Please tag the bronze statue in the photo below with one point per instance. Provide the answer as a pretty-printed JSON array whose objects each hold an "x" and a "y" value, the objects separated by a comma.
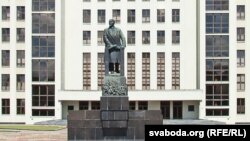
[{"x": 115, "y": 44}]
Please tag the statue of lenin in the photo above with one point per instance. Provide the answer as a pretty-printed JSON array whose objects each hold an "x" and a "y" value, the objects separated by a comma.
[{"x": 115, "y": 44}]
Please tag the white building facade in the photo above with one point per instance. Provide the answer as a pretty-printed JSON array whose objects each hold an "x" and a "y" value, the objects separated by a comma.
[{"x": 186, "y": 58}]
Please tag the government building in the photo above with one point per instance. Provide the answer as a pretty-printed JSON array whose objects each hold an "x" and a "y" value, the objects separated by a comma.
[{"x": 186, "y": 58}]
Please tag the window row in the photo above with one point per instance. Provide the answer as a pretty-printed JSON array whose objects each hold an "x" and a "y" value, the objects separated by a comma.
[
  {"x": 217, "y": 112},
  {"x": 217, "y": 45},
  {"x": 131, "y": 37},
  {"x": 43, "y": 46},
  {"x": 20, "y": 13},
  {"x": 43, "y": 95},
  {"x": 131, "y": 74},
  {"x": 20, "y": 35},
  {"x": 20, "y": 106},
  {"x": 20, "y": 82},
  {"x": 217, "y": 5},
  {"x": 43, "y": 23},
  {"x": 131, "y": 15},
  {"x": 43, "y": 5},
  {"x": 217, "y": 94},
  {"x": 20, "y": 58},
  {"x": 217, "y": 70},
  {"x": 217, "y": 23},
  {"x": 43, "y": 70}
]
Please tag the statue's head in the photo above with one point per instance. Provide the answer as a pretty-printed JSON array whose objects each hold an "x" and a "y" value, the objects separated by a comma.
[{"x": 111, "y": 22}]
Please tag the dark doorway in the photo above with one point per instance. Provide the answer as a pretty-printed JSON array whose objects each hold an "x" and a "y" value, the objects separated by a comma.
[
  {"x": 165, "y": 109},
  {"x": 177, "y": 109}
]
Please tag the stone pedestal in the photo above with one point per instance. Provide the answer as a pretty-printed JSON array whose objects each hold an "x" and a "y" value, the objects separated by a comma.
[{"x": 114, "y": 120}]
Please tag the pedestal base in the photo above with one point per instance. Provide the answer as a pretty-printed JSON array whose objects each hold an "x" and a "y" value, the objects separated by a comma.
[{"x": 87, "y": 125}]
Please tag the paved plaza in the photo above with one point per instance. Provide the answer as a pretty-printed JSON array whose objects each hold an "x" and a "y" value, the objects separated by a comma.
[{"x": 25, "y": 135}]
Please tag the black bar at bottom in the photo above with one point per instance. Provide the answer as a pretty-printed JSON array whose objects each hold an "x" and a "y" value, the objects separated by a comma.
[{"x": 197, "y": 132}]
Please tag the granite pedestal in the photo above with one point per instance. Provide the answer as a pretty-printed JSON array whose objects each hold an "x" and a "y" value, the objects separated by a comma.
[{"x": 114, "y": 120}]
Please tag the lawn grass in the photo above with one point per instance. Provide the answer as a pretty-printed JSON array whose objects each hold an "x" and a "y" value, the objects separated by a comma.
[{"x": 31, "y": 127}]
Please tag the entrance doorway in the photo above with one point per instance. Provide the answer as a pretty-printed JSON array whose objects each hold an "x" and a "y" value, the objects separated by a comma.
[
  {"x": 177, "y": 109},
  {"x": 165, "y": 109}
]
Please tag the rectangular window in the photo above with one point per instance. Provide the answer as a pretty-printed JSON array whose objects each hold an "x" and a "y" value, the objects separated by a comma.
[
  {"x": 5, "y": 58},
  {"x": 86, "y": 71},
  {"x": 241, "y": 12},
  {"x": 160, "y": 15},
  {"x": 145, "y": 71},
  {"x": 43, "y": 70},
  {"x": 145, "y": 37},
  {"x": 5, "y": 82},
  {"x": 100, "y": 41},
  {"x": 43, "y": 46},
  {"x": 142, "y": 105},
  {"x": 217, "y": 23},
  {"x": 43, "y": 23},
  {"x": 86, "y": 16},
  {"x": 240, "y": 58},
  {"x": 217, "y": 45},
  {"x": 20, "y": 35},
  {"x": 43, "y": 112},
  {"x": 131, "y": 71},
  {"x": 131, "y": 105},
  {"x": 217, "y": 94},
  {"x": 217, "y": 70},
  {"x": 175, "y": 37},
  {"x": 240, "y": 106},
  {"x": 160, "y": 70},
  {"x": 95, "y": 105},
  {"x": 20, "y": 13},
  {"x": 5, "y": 106},
  {"x": 160, "y": 37},
  {"x": 241, "y": 34},
  {"x": 101, "y": 70},
  {"x": 145, "y": 15},
  {"x": 86, "y": 37},
  {"x": 131, "y": 37},
  {"x": 101, "y": 16},
  {"x": 217, "y": 4},
  {"x": 43, "y": 5},
  {"x": 5, "y": 13},
  {"x": 191, "y": 108},
  {"x": 117, "y": 15},
  {"x": 241, "y": 82},
  {"x": 20, "y": 106},
  {"x": 43, "y": 95},
  {"x": 83, "y": 105},
  {"x": 20, "y": 59},
  {"x": 20, "y": 82},
  {"x": 5, "y": 35},
  {"x": 217, "y": 112},
  {"x": 175, "y": 15},
  {"x": 175, "y": 70},
  {"x": 131, "y": 16}
]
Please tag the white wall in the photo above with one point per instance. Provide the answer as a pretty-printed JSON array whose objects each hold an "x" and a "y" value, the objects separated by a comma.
[
  {"x": 65, "y": 105},
  {"x": 74, "y": 46},
  {"x": 191, "y": 114},
  {"x": 12, "y": 46}
]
